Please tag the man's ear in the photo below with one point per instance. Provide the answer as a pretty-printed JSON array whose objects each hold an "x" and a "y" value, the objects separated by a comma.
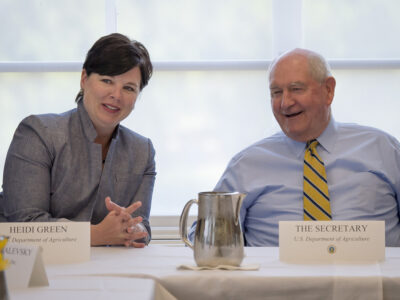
[{"x": 330, "y": 84}]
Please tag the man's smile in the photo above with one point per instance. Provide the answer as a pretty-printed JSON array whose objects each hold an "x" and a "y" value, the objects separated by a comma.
[{"x": 292, "y": 115}]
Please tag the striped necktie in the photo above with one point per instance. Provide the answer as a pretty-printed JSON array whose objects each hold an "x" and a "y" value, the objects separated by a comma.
[{"x": 315, "y": 188}]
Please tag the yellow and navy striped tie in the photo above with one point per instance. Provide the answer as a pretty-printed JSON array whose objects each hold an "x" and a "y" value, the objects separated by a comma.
[{"x": 315, "y": 187}]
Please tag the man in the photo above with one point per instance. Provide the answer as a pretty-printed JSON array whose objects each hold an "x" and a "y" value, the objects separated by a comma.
[{"x": 361, "y": 165}]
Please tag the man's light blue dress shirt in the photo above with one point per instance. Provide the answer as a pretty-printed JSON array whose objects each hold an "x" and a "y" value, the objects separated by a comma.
[{"x": 363, "y": 173}]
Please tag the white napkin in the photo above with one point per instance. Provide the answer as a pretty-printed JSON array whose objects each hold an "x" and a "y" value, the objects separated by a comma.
[{"x": 220, "y": 267}]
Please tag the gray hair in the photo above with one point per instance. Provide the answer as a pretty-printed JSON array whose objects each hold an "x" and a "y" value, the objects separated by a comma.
[{"x": 318, "y": 66}]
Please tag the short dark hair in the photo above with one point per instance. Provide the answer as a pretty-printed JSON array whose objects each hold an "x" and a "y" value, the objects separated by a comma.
[{"x": 115, "y": 54}]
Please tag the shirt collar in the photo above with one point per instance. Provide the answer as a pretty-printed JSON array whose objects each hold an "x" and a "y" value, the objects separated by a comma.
[
  {"x": 87, "y": 125},
  {"x": 327, "y": 140},
  {"x": 296, "y": 147}
]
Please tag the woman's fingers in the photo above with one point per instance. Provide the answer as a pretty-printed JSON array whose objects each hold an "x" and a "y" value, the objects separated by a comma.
[
  {"x": 134, "y": 236},
  {"x": 134, "y": 206},
  {"x": 134, "y": 244},
  {"x": 132, "y": 223},
  {"x": 129, "y": 231},
  {"x": 138, "y": 245},
  {"x": 112, "y": 206}
]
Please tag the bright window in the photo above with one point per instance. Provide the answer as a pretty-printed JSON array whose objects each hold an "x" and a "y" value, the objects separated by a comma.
[
  {"x": 352, "y": 29},
  {"x": 199, "y": 29},
  {"x": 208, "y": 98}
]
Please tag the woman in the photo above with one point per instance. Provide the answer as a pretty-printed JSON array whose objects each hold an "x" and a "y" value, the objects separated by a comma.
[{"x": 69, "y": 166}]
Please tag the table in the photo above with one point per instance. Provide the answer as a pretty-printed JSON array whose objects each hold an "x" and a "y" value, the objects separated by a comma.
[{"x": 151, "y": 273}]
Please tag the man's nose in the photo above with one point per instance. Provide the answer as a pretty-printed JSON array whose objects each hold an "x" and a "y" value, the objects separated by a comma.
[{"x": 287, "y": 100}]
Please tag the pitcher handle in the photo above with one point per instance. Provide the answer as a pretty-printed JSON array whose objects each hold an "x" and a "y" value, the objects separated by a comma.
[
  {"x": 238, "y": 205},
  {"x": 183, "y": 222}
]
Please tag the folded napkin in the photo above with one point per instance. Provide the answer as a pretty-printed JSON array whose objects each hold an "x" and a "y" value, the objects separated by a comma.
[{"x": 220, "y": 267}]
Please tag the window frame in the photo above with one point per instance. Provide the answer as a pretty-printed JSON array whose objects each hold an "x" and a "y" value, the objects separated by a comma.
[{"x": 285, "y": 36}]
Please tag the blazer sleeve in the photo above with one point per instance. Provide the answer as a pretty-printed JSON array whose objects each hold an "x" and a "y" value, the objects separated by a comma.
[
  {"x": 145, "y": 190},
  {"x": 27, "y": 173}
]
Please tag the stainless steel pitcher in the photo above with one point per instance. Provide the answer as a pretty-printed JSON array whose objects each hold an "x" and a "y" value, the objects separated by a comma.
[{"x": 218, "y": 239}]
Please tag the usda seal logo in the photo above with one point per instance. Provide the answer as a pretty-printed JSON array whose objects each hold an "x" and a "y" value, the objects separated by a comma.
[{"x": 331, "y": 249}]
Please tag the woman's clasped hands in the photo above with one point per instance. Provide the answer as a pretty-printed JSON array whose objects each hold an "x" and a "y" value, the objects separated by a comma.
[{"x": 119, "y": 227}]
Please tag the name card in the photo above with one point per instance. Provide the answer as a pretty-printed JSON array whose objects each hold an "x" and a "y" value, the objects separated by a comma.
[
  {"x": 62, "y": 242},
  {"x": 331, "y": 241},
  {"x": 25, "y": 267}
]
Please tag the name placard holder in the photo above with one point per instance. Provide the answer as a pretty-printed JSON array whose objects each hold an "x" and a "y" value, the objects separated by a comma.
[
  {"x": 26, "y": 268},
  {"x": 62, "y": 242},
  {"x": 332, "y": 241}
]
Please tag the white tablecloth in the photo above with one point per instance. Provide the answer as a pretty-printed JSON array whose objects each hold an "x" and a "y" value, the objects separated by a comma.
[{"x": 151, "y": 273}]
